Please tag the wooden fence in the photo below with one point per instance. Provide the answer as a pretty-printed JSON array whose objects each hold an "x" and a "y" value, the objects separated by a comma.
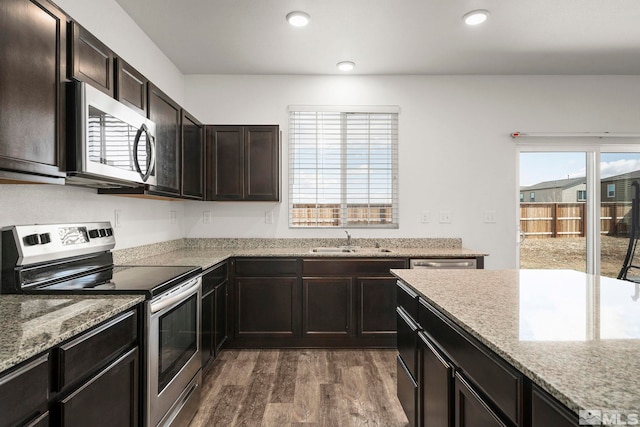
[{"x": 568, "y": 219}]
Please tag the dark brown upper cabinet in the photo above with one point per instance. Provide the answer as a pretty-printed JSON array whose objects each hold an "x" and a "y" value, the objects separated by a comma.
[
  {"x": 192, "y": 157},
  {"x": 243, "y": 163},
  {"x": 130, "y": 87},
  {"x": 167, "y": 115},
  {"x": 90, "y": 60},
  {"x": 33, "y": 37}
]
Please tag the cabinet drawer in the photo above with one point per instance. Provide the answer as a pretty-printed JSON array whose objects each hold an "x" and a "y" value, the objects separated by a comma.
[
  {"x": 260, "y": 267},
  {"x": 350, "y": 267},
  {"x": 24, "y": 392},
  {"x": 407, "y": 299},
  {"x": 408, "y": 341},
  {"x": 501, "y": 383},
  {"x": 91, "y": 351},
  {"x": 407, "y": 391}
]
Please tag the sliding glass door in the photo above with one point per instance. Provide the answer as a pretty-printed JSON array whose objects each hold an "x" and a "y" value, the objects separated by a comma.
[{"x": 576, "y": 207}]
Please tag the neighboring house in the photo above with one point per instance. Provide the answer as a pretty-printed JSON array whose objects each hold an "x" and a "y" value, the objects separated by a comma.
[
  {"x": 557, "y": 191},
  {"x": 618, "y": 188}
]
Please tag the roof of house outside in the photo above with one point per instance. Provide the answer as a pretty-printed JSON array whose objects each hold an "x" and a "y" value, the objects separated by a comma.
[
  {"x": 624, "y": 176},
  {"x": 558, "y": 183}
]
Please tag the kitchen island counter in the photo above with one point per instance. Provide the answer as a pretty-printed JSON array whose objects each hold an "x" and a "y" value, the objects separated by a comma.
[
  {"x": 32, "y": 324},
  {"x": 574, "y": 335}
]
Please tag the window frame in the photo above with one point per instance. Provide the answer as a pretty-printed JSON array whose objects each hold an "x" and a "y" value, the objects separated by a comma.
[
  {"x": 343, "y": 220},
  {"x": 611, "y": 191}
]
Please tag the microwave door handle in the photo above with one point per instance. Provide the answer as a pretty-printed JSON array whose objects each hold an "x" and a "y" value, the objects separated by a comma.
[
  {"x": 136, "y": 144},
  {"x": 151, "y": 156}
]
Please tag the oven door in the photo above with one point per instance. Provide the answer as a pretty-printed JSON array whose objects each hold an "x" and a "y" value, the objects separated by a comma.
[{"x": 173, "y": 356}]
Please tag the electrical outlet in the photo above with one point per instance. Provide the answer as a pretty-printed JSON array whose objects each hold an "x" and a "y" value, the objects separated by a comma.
[
  {"x": 206, "y": 217},
  {"x": 425, "y": 217},
  {"x": 268, "y": 217},
  {"x": 173, "y": 216},
  {"x": 489, "y": 217},
  {"x": 117, "y": 214},
  {"x": 445, "y": 217}
]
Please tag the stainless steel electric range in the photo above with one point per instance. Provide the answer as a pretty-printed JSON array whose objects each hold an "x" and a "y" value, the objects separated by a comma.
[{"x": 77, "y": 258}]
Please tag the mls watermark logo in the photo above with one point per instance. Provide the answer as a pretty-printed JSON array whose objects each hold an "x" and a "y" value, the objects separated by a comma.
[
  {"x": 590, "y": 417},
  {"x": 598, "y": 417}
]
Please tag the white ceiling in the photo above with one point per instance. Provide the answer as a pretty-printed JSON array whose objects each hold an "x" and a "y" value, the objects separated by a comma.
[{"x": 394, "y": 37}]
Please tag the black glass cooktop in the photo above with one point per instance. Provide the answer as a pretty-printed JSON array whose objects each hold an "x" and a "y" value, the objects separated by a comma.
[{"x": 147, "y": 280}]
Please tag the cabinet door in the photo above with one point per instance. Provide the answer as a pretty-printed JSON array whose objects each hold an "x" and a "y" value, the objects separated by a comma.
[
  {"x": 24, "y": 392},
  {"x": 377, "y": 306},
  {"x": 192, "y": 157},
  {"x": 207, "y": 324},
  {"x": 108, "y": 399},
  {"x": 546, "y": 411},
  {"x": 327, "y": 306},
  {"x": 91, "y": 61},
  {"x": 224, "y": 163},
  {"x": 220, "y": 330},
  {"x": 262, "y": 163},
  {"x": 131, "y": 87},
  {"x": 436, "y": 375},
  {"x": 166, "y": 114},
  {"x": 267, "y": 306},
  {"x": 470, "y": 409},
  {"x": 32, "y": 64}
]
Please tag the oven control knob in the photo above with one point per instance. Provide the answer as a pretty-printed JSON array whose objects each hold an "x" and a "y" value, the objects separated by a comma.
[
  {"x": 102, "y": 232},
  {"x": 93, "y": 234},
  {"x": 45, "y": 238},
  {"x": 109, "y": 231},
  {"x": 32, "y": 240}
]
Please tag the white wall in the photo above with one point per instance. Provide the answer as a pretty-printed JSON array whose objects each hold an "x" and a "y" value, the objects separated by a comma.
[
  {"x": 143, "y": 221},
  {"x": 455, "y": 150}
]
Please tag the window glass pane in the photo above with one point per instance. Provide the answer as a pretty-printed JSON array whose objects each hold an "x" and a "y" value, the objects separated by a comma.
[
  {"x": 343, "y": 169},
  {"x": 552, "y": 221},
  {"x": 619, "y": 171}
]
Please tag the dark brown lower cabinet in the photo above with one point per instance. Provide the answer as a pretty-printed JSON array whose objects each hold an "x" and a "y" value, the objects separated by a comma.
[
  {"x": 214, "y": 313},
  {"x": 108, "y": 399},
  {"x": 545, "y": 411},
  {"x": 327, "y": 306},
  {"x": 436, "y": 377},
  {"x": 378, "y": 302},
  {"x": 267, "y": 307},
  {"x": 407, "y": 391},
  {"x": 470, "y": 409},
  {"x": 24, "y": 393}
]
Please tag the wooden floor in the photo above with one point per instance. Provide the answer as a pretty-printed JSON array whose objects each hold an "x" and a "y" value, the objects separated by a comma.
[{"x": 301, "y": 388}]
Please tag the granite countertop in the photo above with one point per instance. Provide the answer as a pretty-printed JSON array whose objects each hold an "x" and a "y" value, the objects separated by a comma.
[
  {"x": 34, "y": 324},
  {"x": 200, "y": 253},
  {"x": 575, "y": 335}
]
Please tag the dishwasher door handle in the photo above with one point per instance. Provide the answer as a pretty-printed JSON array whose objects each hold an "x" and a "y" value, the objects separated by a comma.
[{"x": 438, "y": 264}]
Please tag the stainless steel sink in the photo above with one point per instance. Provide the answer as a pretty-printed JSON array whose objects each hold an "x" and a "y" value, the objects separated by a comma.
[
  {"x": 347, "y": 249},
  {"x": 332, "y": 249}
]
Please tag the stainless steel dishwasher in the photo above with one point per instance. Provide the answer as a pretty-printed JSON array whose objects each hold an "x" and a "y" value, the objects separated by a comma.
[{"x": 440, "y": 263}]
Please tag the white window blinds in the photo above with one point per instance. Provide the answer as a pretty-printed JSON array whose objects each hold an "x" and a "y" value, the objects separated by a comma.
[{"x": 343, "y": 169}]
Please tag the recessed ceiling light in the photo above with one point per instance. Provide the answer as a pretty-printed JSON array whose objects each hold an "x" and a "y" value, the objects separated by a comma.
[
  {"x": 298, "y": 19},
  {"x": 476, "y": 17},
  {"x": 345, "y": 65}
]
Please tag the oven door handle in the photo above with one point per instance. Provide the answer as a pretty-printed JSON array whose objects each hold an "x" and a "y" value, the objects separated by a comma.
[{"x": 176, "y": 296}]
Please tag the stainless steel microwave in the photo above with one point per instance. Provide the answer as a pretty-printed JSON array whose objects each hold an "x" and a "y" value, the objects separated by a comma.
[{"x": 108, "y": 143}]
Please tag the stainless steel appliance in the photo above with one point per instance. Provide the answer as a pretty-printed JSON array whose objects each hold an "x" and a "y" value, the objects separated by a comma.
[
  {"x": 108, "y": 143},
  {"x": 438, "y": 263},
  {"x": 77, "y": 258}
]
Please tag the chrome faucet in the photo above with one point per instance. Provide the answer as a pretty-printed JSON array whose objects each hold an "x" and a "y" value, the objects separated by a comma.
[{"x": 348, "y": 239}]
